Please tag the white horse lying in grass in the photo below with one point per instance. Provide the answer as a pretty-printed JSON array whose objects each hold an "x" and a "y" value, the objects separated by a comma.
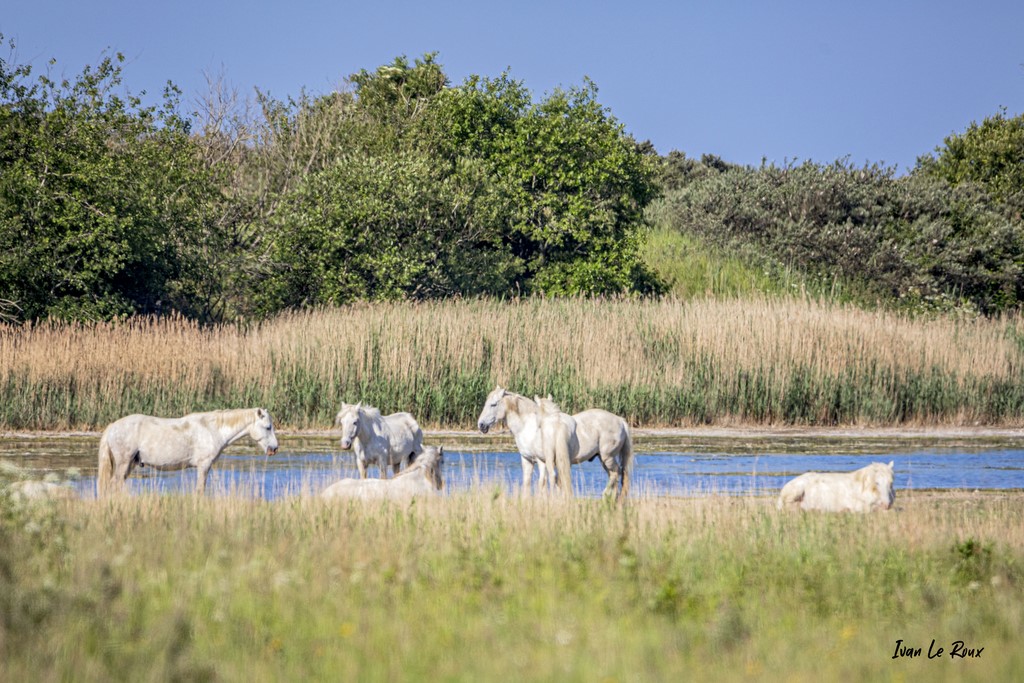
[
  {"x": 601, "y": 434},
  {"x": 393, "y": 440},
  {"x": 423, "y": 477},
  {"x": 195, "y": 440},
  {"x": 862, "y": 490}
]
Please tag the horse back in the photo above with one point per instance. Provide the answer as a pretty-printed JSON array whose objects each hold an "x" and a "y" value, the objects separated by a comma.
[
  {"x": 159, "y": 441},
  {"x": 403, "y": 430},
  {"x": 600, "y": 430}
]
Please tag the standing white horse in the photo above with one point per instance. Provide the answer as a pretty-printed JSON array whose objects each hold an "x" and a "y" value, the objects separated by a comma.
[
  {"x": 863, "y": 490},
  {"x": 393, "y": 440},
  {"x": 194, "y": 440},
  {"x": 423, "y": 477},
  {"x": 559, "y": 444},
  {"x": 600, "y": 434}
]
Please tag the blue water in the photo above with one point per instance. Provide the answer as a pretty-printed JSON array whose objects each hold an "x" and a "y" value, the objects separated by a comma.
[{"x": 684, "y": 467}]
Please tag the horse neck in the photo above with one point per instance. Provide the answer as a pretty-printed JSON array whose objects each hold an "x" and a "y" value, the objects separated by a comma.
[
  {"x": 518, "y": 409},
  {"x": 232, "y": 425},
  {"x": 365, "y": 426}
]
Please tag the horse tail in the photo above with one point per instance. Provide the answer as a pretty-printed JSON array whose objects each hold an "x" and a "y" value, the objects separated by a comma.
[
  {"x": 562, "y": 463},
  {"x": 105, "y": 475},
  {"x": 625, "y": 463},
  {"x": 417, "y": 440}
]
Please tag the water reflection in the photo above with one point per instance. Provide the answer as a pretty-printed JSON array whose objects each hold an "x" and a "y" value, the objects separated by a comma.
[{"x": 664, "y": 466}]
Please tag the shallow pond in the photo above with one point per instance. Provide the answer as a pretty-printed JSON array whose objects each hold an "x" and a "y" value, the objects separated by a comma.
[{"x": 674, "y": 465}]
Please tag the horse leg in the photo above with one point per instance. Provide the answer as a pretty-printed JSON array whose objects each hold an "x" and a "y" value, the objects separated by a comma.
[
  {"x": 361, "y": 466},
  {"x": 201, "y": 472},
  {"x": 611, "y": 468},
  {"x": 548, "y": 476},
  {"x": 124, "y": 468},
  {"x": 528, "y": 476}
]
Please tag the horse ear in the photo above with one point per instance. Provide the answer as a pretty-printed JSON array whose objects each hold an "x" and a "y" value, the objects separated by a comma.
[
  {"x": 891, "y": 463},
  {"x": 550, "y": 397},
  {"x": 440, "y": 450}
]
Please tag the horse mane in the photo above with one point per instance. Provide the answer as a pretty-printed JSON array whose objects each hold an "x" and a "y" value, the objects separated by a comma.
[
  {"x": 371, "y": 412},
  {"x": 233, "y": 418},
  {"x": 516, "y": 398},
  {"x": 548, "y": 407},
  {"x": 422, "y": 462}
]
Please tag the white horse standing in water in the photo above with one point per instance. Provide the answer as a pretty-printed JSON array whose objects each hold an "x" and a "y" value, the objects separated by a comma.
[
  {"x": 393, "y": 440},
  {"x": 863, "y": 490},
  {"x": 422, "y": 478},
  {"x": 559, "y": 444},
  {"x": 195, "y": 440},
  {"x": 601, "y": 434}
]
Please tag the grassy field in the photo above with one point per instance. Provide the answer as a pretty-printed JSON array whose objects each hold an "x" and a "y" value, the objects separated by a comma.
[
  {"x": 658, "y": 363},
  {"x": 482, "y": 587}
]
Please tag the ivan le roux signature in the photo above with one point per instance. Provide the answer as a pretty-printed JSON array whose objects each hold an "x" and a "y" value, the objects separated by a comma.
[{"x": 958, "y": 650}]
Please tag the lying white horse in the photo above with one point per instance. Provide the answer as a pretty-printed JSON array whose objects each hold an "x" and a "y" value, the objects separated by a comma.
[
  {"x": 423, "y": 477},
  {"x": 393, "y": 440},
  {"x": 862, "y": 490},
  {"x": 599, "y": 432},
  {"x": 194, "y": 440},
  {"x": 559, "y": 444}
]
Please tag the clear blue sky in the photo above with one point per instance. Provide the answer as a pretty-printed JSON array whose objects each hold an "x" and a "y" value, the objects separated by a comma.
[{"x": 877, "y": 81}]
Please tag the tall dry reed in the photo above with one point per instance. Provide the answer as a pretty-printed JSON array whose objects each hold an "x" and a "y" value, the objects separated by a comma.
[{"x": 657, "y": 362}]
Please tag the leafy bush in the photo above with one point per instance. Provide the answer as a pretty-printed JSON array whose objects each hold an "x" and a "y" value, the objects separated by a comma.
[{"x": 915, "y": 239}]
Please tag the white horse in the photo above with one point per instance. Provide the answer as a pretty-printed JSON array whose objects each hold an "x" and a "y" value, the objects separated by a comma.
[
  {"x": 862, "y": 490},
  {"x": 421, "y": 478},
  {"x": 600, "y": 434},
  {"x": 558, "y": 442},
  {"x": 195, "y": 440},
  {"x": 393, "y": 440}
]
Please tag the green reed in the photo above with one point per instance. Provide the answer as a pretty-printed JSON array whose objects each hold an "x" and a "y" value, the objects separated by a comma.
[{"x": 659, "y": 363}]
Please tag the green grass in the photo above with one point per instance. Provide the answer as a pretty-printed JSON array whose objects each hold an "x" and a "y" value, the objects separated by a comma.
[
  {"x": 694, "y": 269},
  {"x": 482, "y": 587}
]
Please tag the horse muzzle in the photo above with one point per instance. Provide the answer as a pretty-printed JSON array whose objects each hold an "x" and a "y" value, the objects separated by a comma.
[
  {"x": 482, "y": 427},
  {"x": 345, "y": 445},
  {"x": 271, "y": 451}
]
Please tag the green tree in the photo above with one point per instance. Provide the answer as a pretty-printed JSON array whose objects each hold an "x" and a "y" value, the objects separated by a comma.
[
  {"x": 431, "y": 190},
  {"x": 99, "y": 196},
  {"x": 990, "y": 154}
]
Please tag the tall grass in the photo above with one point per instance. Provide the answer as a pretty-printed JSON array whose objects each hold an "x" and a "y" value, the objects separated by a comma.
[
  {"x": 483, "y": 587},
  {"x": 668, "y": 362}
]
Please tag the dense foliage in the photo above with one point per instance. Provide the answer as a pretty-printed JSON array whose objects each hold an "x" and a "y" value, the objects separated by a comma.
[
  {"x": 403, "y": 187},
  {"x": 926, "y": 239},
  {"x": 101, "y": 198}
]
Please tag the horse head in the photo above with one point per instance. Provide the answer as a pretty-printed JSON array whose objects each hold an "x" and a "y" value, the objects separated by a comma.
[
  {"x": 432, "y": 460},
  {"x": 493, "y": 411},
  {"x": 876, "y": 484},
  {"x": 348, "y": 419},
  {"x": 262, "y": 431}
]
